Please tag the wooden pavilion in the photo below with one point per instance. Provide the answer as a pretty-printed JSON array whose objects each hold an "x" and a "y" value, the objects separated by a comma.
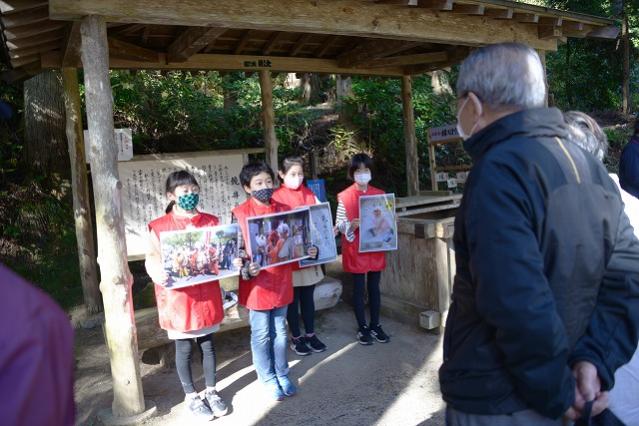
[{"x": 394, "y": 38}]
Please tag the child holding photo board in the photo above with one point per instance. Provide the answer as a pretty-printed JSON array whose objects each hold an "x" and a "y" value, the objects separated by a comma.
[
  {"x": 266, "y": 292},
  {"x": 293, "y": 193},
  {"x": 366, "y": 268},
  {"x": 189, "y": 313}
]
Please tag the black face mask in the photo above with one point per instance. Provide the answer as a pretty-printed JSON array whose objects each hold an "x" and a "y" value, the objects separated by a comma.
[{"x": 263, "y": 195}]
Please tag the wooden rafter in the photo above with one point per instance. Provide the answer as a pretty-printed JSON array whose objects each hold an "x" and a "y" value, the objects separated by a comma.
[
  {"x": 469, "y": 9},
  {"x": 528, "y": 18},
  {"x": 301, "y": 42},
  {"x": 373, "y": 49},
  {"x": 325, "y": 47},
  {"x": 191, "y": 41},
  {"x": 30, "y": 16},
  {"x": 34, "y": 50},
  {"x": 35, "y": 40},
  {"x": 32, "y": 30},
  {"x": 27, "y": 60},
  {"x": 549, "y": 32},
  {"x": 436, "y": 4},
  {"x": 122, "y": 49},
  {"x": 399, "y": 61},
  {"x": 272, "y": 42},
  {"x": 551, "y": 21},
  {"x": 14, "y": 6},
  {"x": 499, "y": 13},
  {"x": 243, "y": 42}
]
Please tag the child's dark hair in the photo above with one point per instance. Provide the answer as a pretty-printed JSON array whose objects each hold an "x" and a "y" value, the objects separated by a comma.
[
  {"x": 250, "y": 170},
  {"x": 357, "y": 161},
  {"x": 291, "y": 161},
  {"x": 175, "y": 179}
]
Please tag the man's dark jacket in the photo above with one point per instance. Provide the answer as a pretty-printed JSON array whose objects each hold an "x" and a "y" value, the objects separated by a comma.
[
  {"x": 629, "y": 167},
  {"x": 547, "y": 272}
]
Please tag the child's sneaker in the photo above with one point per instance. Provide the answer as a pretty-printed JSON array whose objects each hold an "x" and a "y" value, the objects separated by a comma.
[
  {"x": 287, "y": 386},
  {"x": 364, "y": 336},
  {"x": 299, "y": 346},
  {"x": 379, "y": 335},
  {"x": 274, "y": 389},
  {"x": 217, "y": 405},
  {"x": 315, "y": 343},
  {"x": 198, "y": 409}
]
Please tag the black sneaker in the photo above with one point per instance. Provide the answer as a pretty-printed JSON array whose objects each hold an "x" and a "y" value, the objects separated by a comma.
[
  {"x": 379, "y": 334},
  {"x": 299, "y": 346},
  {"x": 364, "y": 336},
  {"x": 217, "y": 405},
  {"x": 198, "y": 409},
  {"x": 315, "y": 343}
]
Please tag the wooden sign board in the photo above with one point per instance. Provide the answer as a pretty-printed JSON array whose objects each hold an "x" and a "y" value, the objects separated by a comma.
[
  {"x": 443, "y": 134},
  {"x": 143, "y": 192}
]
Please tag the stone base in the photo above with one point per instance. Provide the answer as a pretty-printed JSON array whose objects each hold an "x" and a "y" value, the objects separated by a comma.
[{"x": 107, "y": 418}]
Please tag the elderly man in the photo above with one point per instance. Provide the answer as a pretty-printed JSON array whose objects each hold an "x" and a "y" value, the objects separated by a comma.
[{"x": 544, "y": 300}]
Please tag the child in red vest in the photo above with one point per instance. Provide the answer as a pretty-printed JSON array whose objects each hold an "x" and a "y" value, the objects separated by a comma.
[
  {"x": 366, "y": 267},
  {"x": 293, "y": 193},
  {"x": 268, "y": 292},
  {"x": 189, "y": 313}
]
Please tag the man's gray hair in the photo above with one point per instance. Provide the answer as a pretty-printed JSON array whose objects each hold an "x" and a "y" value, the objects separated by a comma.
[
  {"x": 504, "y": 75},
  {"x": 586, "y": 133}
]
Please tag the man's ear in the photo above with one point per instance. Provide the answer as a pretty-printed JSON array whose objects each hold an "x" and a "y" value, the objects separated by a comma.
[{"x": 475, "y": 104}]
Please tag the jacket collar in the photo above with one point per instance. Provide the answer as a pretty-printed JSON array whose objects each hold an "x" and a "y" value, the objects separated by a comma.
[{"x": 535, "y": 122}]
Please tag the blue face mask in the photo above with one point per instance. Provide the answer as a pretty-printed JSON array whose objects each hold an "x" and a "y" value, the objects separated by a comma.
[{"x": 188, "y": 202}]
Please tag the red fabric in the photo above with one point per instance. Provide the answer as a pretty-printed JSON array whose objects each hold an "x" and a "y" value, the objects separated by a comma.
[
  {"x": 352, "y": 260},
  {"x": 273, "y": 287},
  {"x": 189, "y": 308},
  {"x": 295, "y": 198}
]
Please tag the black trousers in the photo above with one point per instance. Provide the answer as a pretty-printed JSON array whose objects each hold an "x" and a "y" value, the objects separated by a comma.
[
  {"x": 360, "y": 282},
  {"x": 183, "y": 355},
  {"x": 302, "y": 300}
]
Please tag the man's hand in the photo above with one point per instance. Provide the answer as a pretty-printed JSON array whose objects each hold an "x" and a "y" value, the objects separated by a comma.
[{"x": 587, "y": 388}]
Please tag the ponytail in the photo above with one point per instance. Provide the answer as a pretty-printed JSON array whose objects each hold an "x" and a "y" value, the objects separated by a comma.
[{"x": 170, "y": 207}]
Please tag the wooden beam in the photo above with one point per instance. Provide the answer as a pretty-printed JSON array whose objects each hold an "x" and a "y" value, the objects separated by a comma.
[
  {"x": 244, "y": 63},
  {"x": 80, "y": 190},
  {"x": 548, "y": 32},
  {"x": 34, "y": 50},
  {"x": 410, "y": 139},
  {"x": 551, "y": 21},
  {"x": 33, "y": 30},
  {"x": 35, "y": 40},
  {"x": 606, "y": 33},
  {"x": 323, "y": 50},
  {"x": 343, "y": 17},
  {"x": 499, "y": 13},
  {"x": 119, "y": 325},
  {"x": 268, "y": 119},
  {"x": 243, "y": 41},
  {"x": 124, "y": 50},
  {"x": 436, "y": 4},
  {"x": 399, "y": 61},
  {"x": 13, "y": 6},
  {"x": 573, "y": 26},
  {"x": 191, "y": 41},
  {"x": 528, "y": 18},
  {"x": 27, "y": 60},
  {"x": 455, "y": 56},
  {"x": 301, "y": 42},
  {"x": 469, "y": 9},
  {"x": 71, "y": 49},
  {"x": 272, "y": 42},
  {"x": 30, "y": 16},
  {"x": 373, "y": 49}
]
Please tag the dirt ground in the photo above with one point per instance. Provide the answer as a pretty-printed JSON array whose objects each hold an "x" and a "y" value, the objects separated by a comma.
[{"x": 350, "y": 384}]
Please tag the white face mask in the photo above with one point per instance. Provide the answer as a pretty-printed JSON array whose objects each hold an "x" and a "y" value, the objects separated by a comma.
[
  {"x": 363, "y": 178},
  {"x": 293, "y": 182},
  {"x": 460, "y": 130}
]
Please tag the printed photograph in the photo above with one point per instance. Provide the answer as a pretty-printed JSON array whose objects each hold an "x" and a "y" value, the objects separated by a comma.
[
  {"x": 199, "y": 255},
  {"x": 279, "y": 238},
  {"x": 322, "y": 234},
  {"x": 378, "y": 224}
]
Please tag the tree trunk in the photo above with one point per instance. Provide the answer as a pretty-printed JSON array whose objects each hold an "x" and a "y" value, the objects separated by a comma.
[
  {"x": 439, "y": 83},
  {"x": 229, "y": 90},
  {"x": 80, "y": 190},
  {"x": 625, "y": 37},
  {"x": 44, "y": 133},
  {"x": 410, "y": 140},
  {"x": 119, "y": 327},
  {"x": 343, "y": 89},
  {"x": 268, "y": 119},
  {"x": 311, "y": 87}
]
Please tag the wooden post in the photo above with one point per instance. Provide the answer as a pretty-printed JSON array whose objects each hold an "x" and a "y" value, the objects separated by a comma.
[
  {"x": 268, "y": 119},
  {"x": 80, "y": 189},
  {"x": 412, "y": 160},
  {"x": 625, "y": 39},
  {"x": 119, "y": 327}
]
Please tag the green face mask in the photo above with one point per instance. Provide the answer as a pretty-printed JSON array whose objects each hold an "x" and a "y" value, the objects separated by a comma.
[{"x": 188, "y": 202}]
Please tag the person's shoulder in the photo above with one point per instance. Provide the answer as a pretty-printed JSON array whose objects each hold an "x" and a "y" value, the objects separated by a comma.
[
  {"x": 279, "y": 206},
  {"x": 209, "y": 219},
  {"x": 159, "y": 221}
]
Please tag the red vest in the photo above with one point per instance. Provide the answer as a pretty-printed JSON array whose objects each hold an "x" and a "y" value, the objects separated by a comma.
[
  {"x": 295, "y": 198},
  {"x": 273, "y": 287},
  {"x": 352, "y": 260},
  {"x": 189, "y": 308}
]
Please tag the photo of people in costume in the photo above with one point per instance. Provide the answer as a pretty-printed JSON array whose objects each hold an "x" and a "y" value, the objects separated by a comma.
[
  {"x": 279, "y": 238},
  {"x": 379, "y": 229},
  {"x": 196, "y": 256}
]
